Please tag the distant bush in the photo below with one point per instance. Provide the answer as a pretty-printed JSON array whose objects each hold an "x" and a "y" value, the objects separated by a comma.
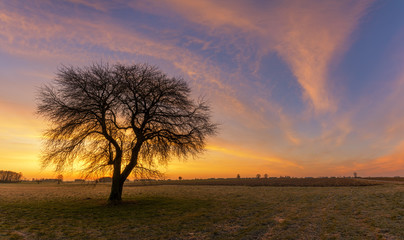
[
  {"x": 10, "y": 176},
  {"x": 105, "y": 179}
]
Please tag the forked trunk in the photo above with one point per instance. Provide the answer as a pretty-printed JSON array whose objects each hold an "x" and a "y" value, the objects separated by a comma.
[
  {"x": 118, "y": 178},
  {"x": 116, "y": 190},
  {"x": 117, "y": 185}
]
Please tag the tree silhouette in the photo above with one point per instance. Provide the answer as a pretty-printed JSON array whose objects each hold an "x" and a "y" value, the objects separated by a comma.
[
  {"x": 60, "y": 178},
  {"x": 124, "y": 119},
  {"x": 10, "y": 176}
]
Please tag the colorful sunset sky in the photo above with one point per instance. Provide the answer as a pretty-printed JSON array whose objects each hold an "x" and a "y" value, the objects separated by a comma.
[{"x": 299, "y": 87}]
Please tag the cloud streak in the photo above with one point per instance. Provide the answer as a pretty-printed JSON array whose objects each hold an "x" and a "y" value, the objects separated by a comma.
[{"x": 308, "y": 35}]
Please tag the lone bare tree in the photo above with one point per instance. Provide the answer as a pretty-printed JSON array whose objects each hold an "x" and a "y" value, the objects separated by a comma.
[{"x": 124, "y": 119}]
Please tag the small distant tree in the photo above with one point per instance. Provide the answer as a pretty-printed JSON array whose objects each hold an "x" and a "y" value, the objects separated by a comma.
[
  {"x": 355, "y": 175},
  {"x": 179, "y": 178},
  {"x": 258, "y": 176},
  {"x": 60, "y": 178},
  {"x": 238, "y": 176},
  {"x": 121, "y": 120},
  {"x": 265, "y": 175}
]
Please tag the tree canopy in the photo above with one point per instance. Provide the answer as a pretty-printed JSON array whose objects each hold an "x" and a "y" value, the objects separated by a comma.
[{"x": 122, "y": 119}]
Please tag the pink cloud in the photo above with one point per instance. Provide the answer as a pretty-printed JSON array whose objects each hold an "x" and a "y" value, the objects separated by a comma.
[{"x": 308, "y": 35}]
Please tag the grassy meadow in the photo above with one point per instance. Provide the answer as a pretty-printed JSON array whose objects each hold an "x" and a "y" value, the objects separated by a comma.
[{"x": 80, "y": 211}]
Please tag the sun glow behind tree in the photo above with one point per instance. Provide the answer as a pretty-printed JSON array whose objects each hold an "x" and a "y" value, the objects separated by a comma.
[{"x": 121, "y": 120}]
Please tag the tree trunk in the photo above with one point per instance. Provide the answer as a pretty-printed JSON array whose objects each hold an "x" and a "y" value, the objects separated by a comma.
[
  {"x": 118, "y": 179},
  {"x": 117, "y": 184},
  {"x": 115, "y": 196}
]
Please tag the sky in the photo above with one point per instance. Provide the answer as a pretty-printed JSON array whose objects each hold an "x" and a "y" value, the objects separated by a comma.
[{"x": 299, "y": 87}]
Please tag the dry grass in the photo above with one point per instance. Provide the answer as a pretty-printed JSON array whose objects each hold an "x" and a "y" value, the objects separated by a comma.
[
  {"x": 275, "y": 182},
  {"x": 69, "y": 211}
]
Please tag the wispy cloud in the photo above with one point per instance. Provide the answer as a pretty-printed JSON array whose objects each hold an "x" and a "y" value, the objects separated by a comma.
[
  {"x": 237, "y": 151},
  {"x": 71, "y": 40},
  {"x": 308, "y": 35}
]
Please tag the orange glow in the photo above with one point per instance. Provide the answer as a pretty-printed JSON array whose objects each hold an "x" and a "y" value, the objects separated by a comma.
[{"x": 299, "y": 88}]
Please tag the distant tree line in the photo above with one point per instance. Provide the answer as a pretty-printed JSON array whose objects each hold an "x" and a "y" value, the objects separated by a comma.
[{"x": 9, "y": 176}]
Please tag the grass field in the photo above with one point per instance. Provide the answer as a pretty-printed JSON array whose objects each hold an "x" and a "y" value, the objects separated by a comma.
[
  {"x": 74, "y": 211},
  {"x": 274, "y": 182}
]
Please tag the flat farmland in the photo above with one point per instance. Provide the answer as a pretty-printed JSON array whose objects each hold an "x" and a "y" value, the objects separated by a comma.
[
  {"x": 198, "y": 211},
  {"x": 274, "y": 182}
]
